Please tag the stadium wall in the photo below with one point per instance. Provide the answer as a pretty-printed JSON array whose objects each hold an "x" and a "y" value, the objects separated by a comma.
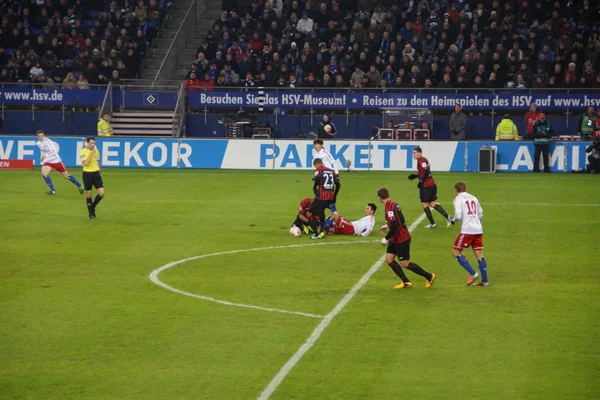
[
  {"x": 280, "y": 154},
  {"x": 287, "y": 126}
]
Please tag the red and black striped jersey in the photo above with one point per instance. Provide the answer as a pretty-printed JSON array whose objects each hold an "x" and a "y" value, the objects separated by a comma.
[
  {"x": 304, "y": 206},
  {"x": 423, "y": 171},
  {"x": 393, "y": 213},
  {"x": 327, "y": 184}
]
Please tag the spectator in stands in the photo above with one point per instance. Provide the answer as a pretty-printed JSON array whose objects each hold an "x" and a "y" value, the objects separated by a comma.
[
  {"x": 192, "y": 83},
  {"x": 82, "y": 83},
  {"x": 70, "y": 82},
  {"x": 458, "y": 124}
]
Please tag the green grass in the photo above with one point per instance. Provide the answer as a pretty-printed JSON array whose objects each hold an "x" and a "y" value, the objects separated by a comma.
[{"x": 80, "y": 319}]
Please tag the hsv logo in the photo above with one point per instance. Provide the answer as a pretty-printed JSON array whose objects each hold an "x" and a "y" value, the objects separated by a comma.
[{"x": 150, "y": 99}]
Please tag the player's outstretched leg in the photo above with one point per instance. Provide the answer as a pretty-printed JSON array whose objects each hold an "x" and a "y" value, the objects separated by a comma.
[
  {"x": 406, "y": 283},
  {"x": 48, "y": 181},
  {"x": 427, "y": 212},
  {"x": 441, "y": 210},
  {"x": 420, "y": 271},
  {"x": 483, "y": 269},
  {"x": 74, "y": 181},
  {"x": 45, "y": 174},
  {"x": 473, "y": 275}
]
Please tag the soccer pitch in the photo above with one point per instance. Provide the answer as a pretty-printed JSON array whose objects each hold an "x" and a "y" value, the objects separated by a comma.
[{"x": 80, "y": 317}]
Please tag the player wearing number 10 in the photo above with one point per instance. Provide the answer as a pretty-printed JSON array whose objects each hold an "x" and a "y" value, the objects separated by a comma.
[
  {"x": 326, "y": 187},
  {"x": 468, "y": 209}
]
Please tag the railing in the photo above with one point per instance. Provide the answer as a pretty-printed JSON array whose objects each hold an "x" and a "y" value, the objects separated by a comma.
[
  {"x": 179, "y": 114},
  {"x": 182, "y": 37},
  {"x": 107, "y": 103}
]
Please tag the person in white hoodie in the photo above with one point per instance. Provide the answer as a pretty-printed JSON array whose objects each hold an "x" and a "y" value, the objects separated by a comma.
[{"x": 305, "y": 25}]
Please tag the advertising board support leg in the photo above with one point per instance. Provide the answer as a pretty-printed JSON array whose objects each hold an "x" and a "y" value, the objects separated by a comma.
[
  {"x": 369, "y": 162},
  {"x": 274, "y": 154},
  {"x": 466, "y": 156}
]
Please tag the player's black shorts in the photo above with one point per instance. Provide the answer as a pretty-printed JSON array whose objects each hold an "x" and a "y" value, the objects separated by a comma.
[
  {"x": 401, "y": 250},
  {"x": 92, "y": 179},
  {"x": 428, "y": 194},
  {"x": 318, "y": 207}
]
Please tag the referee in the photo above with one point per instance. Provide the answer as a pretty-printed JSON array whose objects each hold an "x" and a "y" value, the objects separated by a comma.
[{"x": 90, "y": 157}]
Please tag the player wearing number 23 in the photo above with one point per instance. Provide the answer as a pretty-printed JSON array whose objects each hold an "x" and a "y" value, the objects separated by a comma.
[
  {"x": 468, "y": 209},
  {"x": 326, "y": 187}
]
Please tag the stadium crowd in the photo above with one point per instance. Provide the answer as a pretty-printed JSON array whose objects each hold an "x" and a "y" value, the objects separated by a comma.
[
  {"x": 76, "y": 43},
  {"x": 472, "y": 44}
]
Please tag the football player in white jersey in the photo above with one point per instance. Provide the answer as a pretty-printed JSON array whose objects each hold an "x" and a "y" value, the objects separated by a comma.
[
  {"x": 468, "y": 209},
  {"x": 363, "y": 227},
  {"x": 328, "y": 161},
  {"x": 51, "y": 160}
]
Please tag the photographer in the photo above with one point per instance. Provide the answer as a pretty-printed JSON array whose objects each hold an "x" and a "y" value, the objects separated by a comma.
[{"x": 594, "y": 157}]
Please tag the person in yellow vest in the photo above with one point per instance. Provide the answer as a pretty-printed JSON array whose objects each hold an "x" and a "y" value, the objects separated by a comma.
[
  {"x": 507, "y": 130},
  {"x": 104, "y": 128}
]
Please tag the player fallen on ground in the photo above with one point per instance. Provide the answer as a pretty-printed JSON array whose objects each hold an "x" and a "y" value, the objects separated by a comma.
[
  {"x": 468, "y": 209},
  {"x": 327, "y": 159},
  {"x": 303, "y": 217},
  {"x": 363, "y": 227},
  {"x": 51, "y": 160},
  {"x": 398, "y": 243},
  {"x": 427, "y": 188},
  {"x": 326, "y": 188}
]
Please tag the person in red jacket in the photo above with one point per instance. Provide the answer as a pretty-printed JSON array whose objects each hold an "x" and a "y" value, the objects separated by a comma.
[
  {"x": 192, "y": 83},
  {"x": 531, "y": 118},
  {"x": 207, "y": 83}
]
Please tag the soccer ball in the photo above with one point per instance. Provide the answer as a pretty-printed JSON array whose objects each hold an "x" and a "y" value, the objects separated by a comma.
[
  {"x": 327, "y": 128},
  {"x": 295, "y": 231}
]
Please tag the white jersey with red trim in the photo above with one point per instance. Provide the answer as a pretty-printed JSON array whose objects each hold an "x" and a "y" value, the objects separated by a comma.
[
  {"x": 468, "y": 209},
  {"x": 49, "y": 151},
  {"x": 364, "y": 226},
  {"x": 327, "y": 159}
]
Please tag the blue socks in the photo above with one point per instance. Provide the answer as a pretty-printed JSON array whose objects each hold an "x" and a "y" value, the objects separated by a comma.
[
  {"x": 465, "y": 264},
  {"x": 332, "y": 208},
  {"x": 328, "y": 222},
  {"x": 49, "y": 182},
  {"x": 72, "y": 179},
  {"x": 483, "y": 269}
]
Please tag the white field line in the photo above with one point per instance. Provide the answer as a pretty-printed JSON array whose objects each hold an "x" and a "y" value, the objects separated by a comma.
[
  {"x": 170, "y": 172},
  {"x": 312, "y": 339},
  {"x": 537, "y": 204},
  {"x": 154, "y": 275}
]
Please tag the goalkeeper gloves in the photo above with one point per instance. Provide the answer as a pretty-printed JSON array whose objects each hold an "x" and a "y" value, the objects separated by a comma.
[{"x": 412, "y": 177}]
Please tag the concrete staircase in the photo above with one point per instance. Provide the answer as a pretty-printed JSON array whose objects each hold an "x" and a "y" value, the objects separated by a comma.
[
  {"x": 186, "y": 56},
  {"x": 167, "y": 34},
  {"x": 142, "y": 123}
]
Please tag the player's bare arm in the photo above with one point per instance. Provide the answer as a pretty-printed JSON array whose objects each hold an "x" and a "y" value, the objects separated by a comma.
[{"x": 383, "y": 228}]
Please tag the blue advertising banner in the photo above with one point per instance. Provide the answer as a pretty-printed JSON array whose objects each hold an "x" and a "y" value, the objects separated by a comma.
[
  {"x": 52, "y": 96},
  {"x": 90, "y": 97},
  {"x": 377, "y": 100},
  {"x": 294, "y": 154}
]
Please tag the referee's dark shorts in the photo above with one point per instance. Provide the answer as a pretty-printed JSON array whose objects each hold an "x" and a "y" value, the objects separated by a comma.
[
  {"x": 92, "y": 179},
  {"x": 428, "y": 194}
]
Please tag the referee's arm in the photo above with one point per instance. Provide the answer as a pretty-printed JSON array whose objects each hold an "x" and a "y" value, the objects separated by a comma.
[{"x": 89, "y": 157}]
